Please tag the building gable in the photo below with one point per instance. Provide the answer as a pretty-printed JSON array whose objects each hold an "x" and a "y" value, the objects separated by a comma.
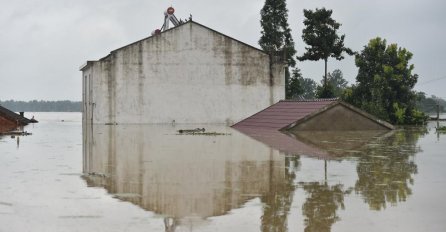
[
  {"x": 316, "y": 115},
  {"x": 179, "y": 75},
  {"x": 338, "y": 117}
]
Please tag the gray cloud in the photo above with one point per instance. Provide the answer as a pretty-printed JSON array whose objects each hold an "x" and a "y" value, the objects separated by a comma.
[{"x": 43, "y": 43}]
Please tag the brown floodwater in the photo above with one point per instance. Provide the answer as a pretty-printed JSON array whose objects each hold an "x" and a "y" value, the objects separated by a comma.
[{"x": 151, "y": 178}]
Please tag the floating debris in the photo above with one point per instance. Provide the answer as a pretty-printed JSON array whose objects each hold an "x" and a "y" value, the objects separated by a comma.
[
  {"x": 126, "y": 195},
  {"x": 80, "y": 216},
  {"x": 189, "y": 131},
  {"x": 96, "y": 174},
  {"x": 199, "y": 131},
  {"x": 6, "y": 203},
  {"x": 18, "y": 133}
]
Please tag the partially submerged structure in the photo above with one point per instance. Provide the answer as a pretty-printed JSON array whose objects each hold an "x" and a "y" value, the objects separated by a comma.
[
  {"x": 313, "y": 115},
  {"x": 293, "y": 126},
  {"x": 186, "y": 74},
  {"x": 10, "y": 121}
]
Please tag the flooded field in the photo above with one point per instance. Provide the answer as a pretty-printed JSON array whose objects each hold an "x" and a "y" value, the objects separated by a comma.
[{"x": 151, "y": 178}]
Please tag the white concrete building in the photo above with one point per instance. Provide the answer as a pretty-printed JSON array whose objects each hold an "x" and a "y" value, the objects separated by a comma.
[{"x": 187, "y": 74}]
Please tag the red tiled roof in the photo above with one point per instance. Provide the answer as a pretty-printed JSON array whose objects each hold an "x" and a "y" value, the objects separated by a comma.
[{"x": 283, "y": 114}]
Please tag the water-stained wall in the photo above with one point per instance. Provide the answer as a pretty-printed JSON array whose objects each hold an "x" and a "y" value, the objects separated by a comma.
[{"x": 189, "y": 74}]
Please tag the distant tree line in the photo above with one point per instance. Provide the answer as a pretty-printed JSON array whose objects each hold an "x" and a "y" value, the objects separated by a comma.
[
  {"x": 429, "y": 104},
  {"x": 385, "y": 80},
  {"x": 42, "y": 106}
]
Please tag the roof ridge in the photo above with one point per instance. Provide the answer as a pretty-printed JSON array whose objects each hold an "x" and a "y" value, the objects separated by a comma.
[{"x": 311, "y": 100}]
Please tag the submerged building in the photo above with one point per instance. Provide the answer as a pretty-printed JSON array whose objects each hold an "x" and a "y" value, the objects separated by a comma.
[
  {"x": 312, "y": 115},
  {"x": 186, "y": 74},
  {"x": 9, "y": 120}
]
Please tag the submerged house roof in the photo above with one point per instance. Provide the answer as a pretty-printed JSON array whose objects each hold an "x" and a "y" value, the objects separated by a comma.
[
  {"x": 293, "y": 126},
  {"x": 6, "y": 113},
  {"x": 317, "y": 115},
  {"x": 283, "y": 114},
  {"x": 10, "y": 120}
]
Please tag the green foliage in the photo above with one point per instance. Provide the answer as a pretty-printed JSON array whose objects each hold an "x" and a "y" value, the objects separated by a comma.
[
  {"x": 429, "y": 104},
  {"x": 384, "y": 84},
  {"x": 325, "y": 91},
  {"x": 399, "y": 113},
  {"x": 441, "y": 129},
  {"x": 336, "y": 85},
  {"x": 300, "y": 87},
  {"x": 337, "y": 81},
  {"x": 321, "y": 36},
  {"x": 276, "y": 36},
  {"x": 294, "y": 89},
  {"x": 42, "y": 106}
]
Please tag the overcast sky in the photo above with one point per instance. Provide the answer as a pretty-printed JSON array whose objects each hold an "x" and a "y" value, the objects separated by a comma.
[{"x": 43, "y": 43}]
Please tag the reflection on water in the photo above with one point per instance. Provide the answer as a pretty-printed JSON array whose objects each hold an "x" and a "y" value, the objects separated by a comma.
[
  {"x": 321, "y": 205},
  {"x": 339, "y": 143},
  {"x": 189, "y": 178},
  {"x": 182, "y": 176},
  {"x": 277, "y": 203},
  {"x": 386, "y": 168}
]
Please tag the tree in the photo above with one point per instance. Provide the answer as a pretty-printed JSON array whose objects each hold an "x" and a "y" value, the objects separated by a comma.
[
  {"x": 320, "y": 34},
  {"x": 325, "y": 91},
  {"x": 300, "y": 87},
  {"x": 295, "y": 89},
  {"x": 384, "y": 84},
  {"x": 276, "y": 36},
  {"x": 309, "y": 88},
  {"x": 336, "y": 84},
  {"x": 336, "y": 79},
  {"x": 429, "y": 104}
]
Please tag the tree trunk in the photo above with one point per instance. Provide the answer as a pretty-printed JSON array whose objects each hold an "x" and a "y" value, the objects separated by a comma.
[
  {"x": 325, "y": 77},
  {"x": 287, "y": 83}
]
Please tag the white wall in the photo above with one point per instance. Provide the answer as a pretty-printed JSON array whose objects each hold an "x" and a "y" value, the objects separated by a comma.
[{"x": 189, "y": 74}]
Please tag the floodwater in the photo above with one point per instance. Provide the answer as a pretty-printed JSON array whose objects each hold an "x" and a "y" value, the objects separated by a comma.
[{"x": 150, "y": 178}]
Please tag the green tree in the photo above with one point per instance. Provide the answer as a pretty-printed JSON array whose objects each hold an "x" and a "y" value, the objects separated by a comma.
[
  {"x": 42, "y": 106},
  {"x": 295, "y": 89},
  {"x": 336, "y": 79},
  {"x": 384, "y": 84},
  {"x": 429, "y": 104},
  {"x": 308, "y": 87},
  {"x": 320, "y": 34},
  {"x": 336, "y": 85},
  {"x": 276, "y": 36},
  {"x": 301, "y": 87},
  {"x": 325, "y": 91}
]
